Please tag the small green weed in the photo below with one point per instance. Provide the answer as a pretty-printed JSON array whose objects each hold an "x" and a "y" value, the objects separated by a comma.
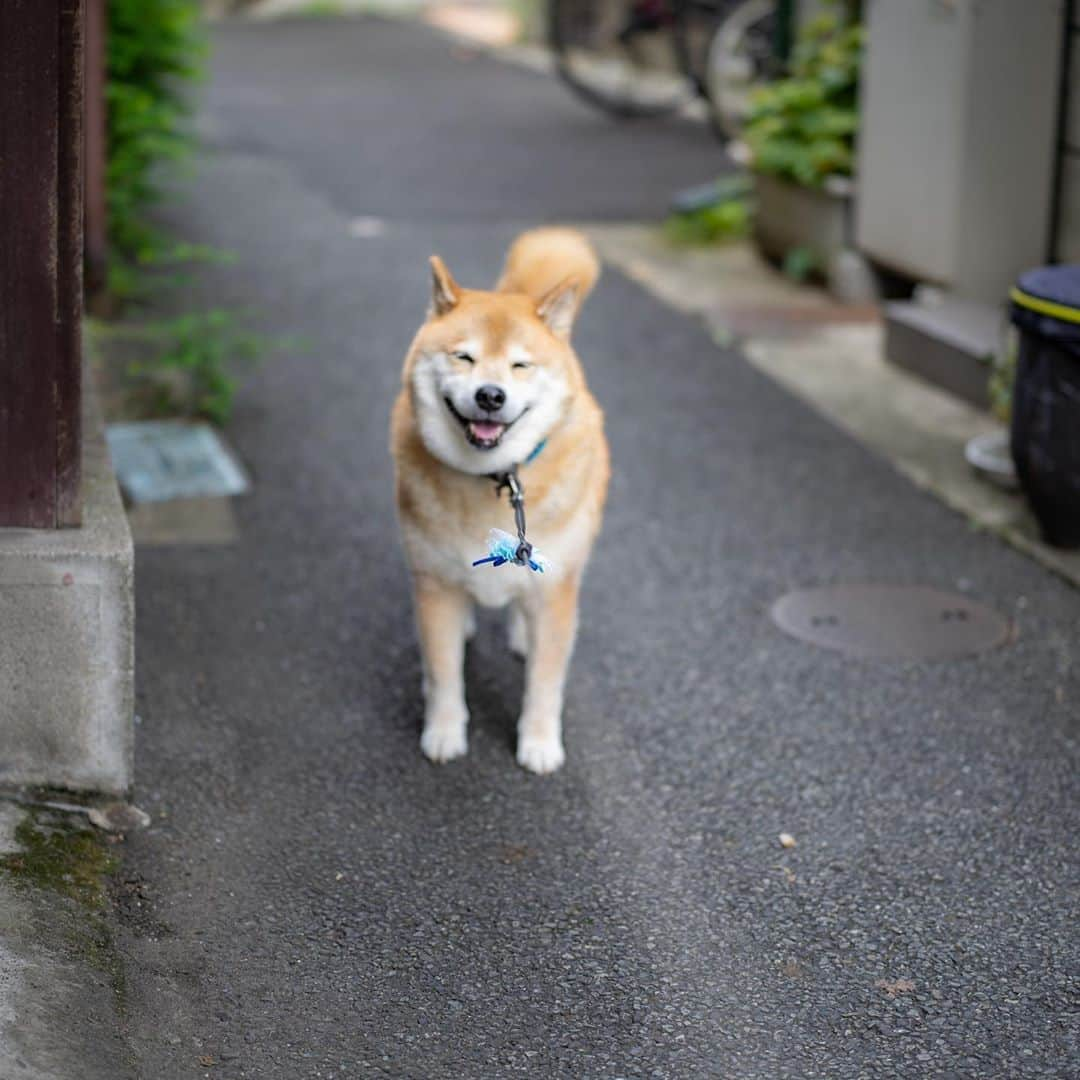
[
  {"x": 711, "y": 214},
  {"x": 711, "y": 224},
  {"x": 188, "y": 365},
  {"x": 162, "y": 265},
  {"x": 801, "y": 262},
  {"x": 1003, "y": 377}
]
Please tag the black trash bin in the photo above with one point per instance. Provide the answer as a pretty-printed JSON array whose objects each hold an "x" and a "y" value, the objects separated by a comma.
[{"x": 1045, "y": 434}]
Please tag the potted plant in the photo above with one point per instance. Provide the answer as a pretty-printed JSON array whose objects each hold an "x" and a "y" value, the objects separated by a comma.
[{"x": 800, "y": 137}]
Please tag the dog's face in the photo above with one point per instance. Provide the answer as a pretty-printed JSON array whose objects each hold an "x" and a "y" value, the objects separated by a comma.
[{"x": 491, "y": 374}]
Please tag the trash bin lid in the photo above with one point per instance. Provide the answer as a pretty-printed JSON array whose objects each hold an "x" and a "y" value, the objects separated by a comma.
[
  {"x": 1046, "y": 302},
  {"x": 1050, "y": 290}
]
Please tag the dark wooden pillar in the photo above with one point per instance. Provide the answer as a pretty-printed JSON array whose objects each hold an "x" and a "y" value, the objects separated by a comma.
[
  {"x": 95, "y": 136},
  {"x": 41, "y": 151}
]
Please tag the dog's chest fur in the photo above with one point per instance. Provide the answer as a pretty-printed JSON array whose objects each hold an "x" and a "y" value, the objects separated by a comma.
[{"x": 446, "y": 517}]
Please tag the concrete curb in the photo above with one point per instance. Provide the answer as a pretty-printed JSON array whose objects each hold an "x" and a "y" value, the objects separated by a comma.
[{"x": 67, "y": 640}]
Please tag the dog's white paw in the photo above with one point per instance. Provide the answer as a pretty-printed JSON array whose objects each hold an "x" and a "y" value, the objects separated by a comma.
[
  {"x": 540, "y": 754},
  {"x": 444, "y": 742}
]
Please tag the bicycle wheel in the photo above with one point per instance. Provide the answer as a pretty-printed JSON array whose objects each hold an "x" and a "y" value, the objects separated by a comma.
[
  {"x": 619, "y": 55},
  {"x": 741, "y": 57},
  {"x": 696, "y": 24}
]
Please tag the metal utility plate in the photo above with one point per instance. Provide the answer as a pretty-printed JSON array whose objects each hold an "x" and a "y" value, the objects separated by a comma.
[
  {"x": 901, "y": 622},
  {"x": 159, "y": 460}
]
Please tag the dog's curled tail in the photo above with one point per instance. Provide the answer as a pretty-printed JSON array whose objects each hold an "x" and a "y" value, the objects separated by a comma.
[{"x": 543, "y": 259}]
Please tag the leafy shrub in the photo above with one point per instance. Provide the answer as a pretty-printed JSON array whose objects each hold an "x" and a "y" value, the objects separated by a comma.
[
  {"x": 154, "y": 52},
  {"x": 803, "y": 127},
  {"x": 187, "y": 363}
]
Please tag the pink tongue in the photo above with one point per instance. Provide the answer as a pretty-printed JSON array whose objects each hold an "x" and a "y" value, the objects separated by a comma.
[{"x": 485, "y": 429}]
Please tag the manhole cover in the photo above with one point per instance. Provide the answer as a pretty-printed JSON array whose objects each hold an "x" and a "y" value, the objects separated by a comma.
[{"x": 903, "y": 622}]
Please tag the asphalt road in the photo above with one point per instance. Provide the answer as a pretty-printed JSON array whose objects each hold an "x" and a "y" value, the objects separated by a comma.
[{"x": 315, "y": 899}]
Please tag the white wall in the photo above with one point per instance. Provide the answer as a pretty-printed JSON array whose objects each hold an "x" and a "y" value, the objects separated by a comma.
[
  {"x": 957, "y": 139},
  {"x": 1069, "y": 231}
]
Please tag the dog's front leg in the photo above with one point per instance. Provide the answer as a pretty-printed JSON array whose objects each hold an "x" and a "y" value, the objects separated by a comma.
[
  {"x": 551, "y": 615},
  {"x": 442, "y": 616}
]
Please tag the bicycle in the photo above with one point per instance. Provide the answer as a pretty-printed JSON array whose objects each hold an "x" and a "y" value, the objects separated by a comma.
[{"x": 635, "y": 58}]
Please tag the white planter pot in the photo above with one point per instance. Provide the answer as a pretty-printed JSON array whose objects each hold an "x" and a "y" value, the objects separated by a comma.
[
  {"x": 792, "y": 216},
  {"x": 820, "y": 220}
]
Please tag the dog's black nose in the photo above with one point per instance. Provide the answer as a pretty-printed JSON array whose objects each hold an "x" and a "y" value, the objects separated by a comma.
[{"x": 490, "y": 398}]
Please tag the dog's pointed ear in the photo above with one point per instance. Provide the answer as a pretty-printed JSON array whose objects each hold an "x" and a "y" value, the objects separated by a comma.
[
  {"x": 445, "y": 292},
  {"x": 559, "y": 307}
]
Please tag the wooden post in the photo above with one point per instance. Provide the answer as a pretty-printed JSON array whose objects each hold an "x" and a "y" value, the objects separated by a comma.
[
  {"x": 41, "y": 199},
  {"x": 94, "y": 165}
]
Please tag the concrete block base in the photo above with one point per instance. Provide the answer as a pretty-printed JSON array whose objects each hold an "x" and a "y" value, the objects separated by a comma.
[
  {"x": 67, "y": 641},
  {"x": 950, "y": 344}
]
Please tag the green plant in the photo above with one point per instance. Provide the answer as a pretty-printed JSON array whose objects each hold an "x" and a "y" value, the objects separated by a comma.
[
  {"x": 187, "y": 364},
  {"x": 190, "y": 363},
  {"x": 726, "y": 220},
  {"x": 154, "y": 52},
  {"x": 803, "y": 127},
  {"x": 1003, "y": 377},
  {"x": 163, "y": 265},
  {"x": 711, "y": 213},
  {"x": 800, "y": 263}
]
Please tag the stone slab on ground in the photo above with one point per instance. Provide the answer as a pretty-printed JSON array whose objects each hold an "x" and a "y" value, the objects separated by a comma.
[
  {"x": 209, "y": 521},
  {"x": 949, "y": 342}
]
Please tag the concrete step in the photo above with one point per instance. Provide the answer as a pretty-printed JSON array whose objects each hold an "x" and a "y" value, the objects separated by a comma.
[{"x": 950, "y": 343}]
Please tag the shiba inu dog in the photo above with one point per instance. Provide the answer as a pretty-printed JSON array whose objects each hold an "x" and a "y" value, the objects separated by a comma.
[{"x": 491, "y": 383}]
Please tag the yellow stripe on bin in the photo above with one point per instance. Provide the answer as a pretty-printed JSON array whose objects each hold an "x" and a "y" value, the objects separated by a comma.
[{"x": 1044, "y": 307}]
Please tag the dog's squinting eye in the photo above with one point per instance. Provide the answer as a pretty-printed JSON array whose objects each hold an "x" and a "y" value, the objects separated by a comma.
[
  {"x": 464, "y": 356},
  {"x": 521, "y": 365}
]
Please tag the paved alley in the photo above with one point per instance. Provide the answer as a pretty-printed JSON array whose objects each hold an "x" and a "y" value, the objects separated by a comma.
[{"x": 317, "y": 900}]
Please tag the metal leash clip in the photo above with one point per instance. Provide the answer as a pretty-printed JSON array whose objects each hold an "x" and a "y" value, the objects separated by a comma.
[{"x": 501, "y": 546}]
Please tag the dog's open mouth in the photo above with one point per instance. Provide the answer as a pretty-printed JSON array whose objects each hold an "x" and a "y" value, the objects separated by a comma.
[{"x": 483, "y": 434}]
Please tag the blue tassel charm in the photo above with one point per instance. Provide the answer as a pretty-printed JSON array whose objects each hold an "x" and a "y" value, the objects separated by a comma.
[{"x": 504, "y": 548}]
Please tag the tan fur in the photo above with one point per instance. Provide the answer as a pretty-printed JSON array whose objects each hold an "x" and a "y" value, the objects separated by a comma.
[
  {"x": 541, "y": 260},
  {"x": 447, "y": 504}
]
